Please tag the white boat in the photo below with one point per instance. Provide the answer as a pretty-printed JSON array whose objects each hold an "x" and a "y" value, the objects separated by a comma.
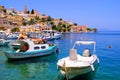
[
  {"x": 12, "y": 36},
  {"x": 4, "y": 42},
  {"x": 28, "y": 48},
  {"x": 5, "y": 38},
  {"x": 76, "y": 64},
  {"x": 51, "y": 34}
]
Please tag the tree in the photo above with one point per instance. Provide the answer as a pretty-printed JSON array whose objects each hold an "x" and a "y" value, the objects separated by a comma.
[
  {"x": 64, "y": 25},
  {"x": 37, "y": 18},
  {"x": 54, "y": 27},
  {"x": 88, "y": 29},
  {"x": 49, "y": 18},
  {"x": 28, "y": 12},
  {"x": 32, "y": 11},
  {"x": 95, "y": 29},
  {"x": 43, "y": 20},
  {"x": 75, "y": 24},
  {"x": 60, "y": 19},
  {"x": 68, "y": 28},
  {"x": 15, "y": 30},
  {"x": 52, "y": 23},
  {"x": 59, "y": 27},
  {"x": 31, "y": 22},
  {"x": 4, "y": 11}
]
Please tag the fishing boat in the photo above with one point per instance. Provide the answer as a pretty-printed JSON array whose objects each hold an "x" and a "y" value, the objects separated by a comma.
[
  {"x": 28, "y": 48},
  {"x": 77, "y": 64},
  {"x": 51, "y": 34}
]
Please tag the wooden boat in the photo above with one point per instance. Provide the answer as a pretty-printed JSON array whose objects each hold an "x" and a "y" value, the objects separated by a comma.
[
  {"x": 76, "y": 64},
  {"x": 28, "y": 48}
]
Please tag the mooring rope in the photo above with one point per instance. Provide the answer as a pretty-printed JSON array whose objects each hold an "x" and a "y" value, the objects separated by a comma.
[
  {"x": 55, "y": 78},
  {"x": 66, "y": 75}
]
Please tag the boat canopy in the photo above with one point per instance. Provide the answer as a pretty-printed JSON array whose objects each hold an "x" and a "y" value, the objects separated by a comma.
[{"x": 85, "y": 42}]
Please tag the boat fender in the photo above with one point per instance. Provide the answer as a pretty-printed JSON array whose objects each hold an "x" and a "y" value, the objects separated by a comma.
[
  {"x": 57, "y": 50},
  {"x": 98, "y": 60},
  {"x": 92, "y": 67},
  {"x": 17, "y": 50}
]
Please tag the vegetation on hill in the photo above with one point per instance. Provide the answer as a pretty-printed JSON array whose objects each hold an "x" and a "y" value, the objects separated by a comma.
[{"x": 51, "y": 23}]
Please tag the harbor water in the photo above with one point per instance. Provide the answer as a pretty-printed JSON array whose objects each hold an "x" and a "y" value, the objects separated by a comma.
[{"x": 45, "y": 68}]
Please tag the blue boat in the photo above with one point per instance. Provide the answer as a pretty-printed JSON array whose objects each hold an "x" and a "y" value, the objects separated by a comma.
[{"x": 29, "y": 48}]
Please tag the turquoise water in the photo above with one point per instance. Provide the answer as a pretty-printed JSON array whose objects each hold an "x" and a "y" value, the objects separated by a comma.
[{"x": 45, "y": 68}]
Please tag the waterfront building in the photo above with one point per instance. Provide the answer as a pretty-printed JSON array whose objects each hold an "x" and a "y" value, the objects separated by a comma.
[
  {"x": 82, "y": 28},
  {"x": 73, "y": 28},
  {"x": 36, "y": 13},
  {"x": 15, "y": 20},
  {"x": 25, "y": 16}
]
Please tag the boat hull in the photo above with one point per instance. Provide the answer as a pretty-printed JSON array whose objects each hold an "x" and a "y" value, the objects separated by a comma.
[
  {"x": 20, "y": 55},
  {"x": 72, "y": 72}
]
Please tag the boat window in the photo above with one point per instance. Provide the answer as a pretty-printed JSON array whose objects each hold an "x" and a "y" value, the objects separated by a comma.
[
  {"x": 37, "y": 47},
  {"x": 43, "y": 47}
]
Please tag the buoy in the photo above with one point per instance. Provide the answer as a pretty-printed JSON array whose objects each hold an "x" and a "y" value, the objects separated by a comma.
[{"x": 109, "y": 46}]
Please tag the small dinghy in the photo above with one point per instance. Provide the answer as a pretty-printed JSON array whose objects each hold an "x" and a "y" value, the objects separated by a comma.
[{"x": 76, "y": 64}]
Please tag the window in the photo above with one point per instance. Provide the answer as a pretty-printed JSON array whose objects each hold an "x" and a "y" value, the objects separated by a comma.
[
  {"x": 37, "y": 47},
  {"x": 43, "y": 47}
]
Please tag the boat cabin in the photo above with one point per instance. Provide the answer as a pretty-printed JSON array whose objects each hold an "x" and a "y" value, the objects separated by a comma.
[{"x": 28, "y": 45}]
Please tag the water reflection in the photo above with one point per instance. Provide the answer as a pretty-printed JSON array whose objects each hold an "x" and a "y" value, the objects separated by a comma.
[
  {"x": 88, "y": 76},
  {"x": 40, "y": 68},
  {"x": 34, "y": 68}
]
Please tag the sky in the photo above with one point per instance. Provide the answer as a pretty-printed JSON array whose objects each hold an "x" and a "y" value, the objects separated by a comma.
[{"x": 101, "y": 14}]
